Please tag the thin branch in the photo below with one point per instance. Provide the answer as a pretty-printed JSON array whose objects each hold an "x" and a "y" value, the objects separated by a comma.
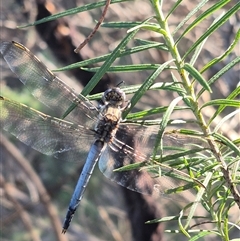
[
  {"x": 45, "y": 198},
  {"x": 109, "y": 223},
  {"x": 95, "y": 28},
  {"x": 19, "y": 209}
]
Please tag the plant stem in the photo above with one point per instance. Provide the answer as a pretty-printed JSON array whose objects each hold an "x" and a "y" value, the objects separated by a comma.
[{"x": 193, "y": 101}]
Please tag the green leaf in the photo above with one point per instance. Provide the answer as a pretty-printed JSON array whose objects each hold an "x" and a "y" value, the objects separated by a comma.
[
  {"x": 221, "y": 73},
  {"x": 200, "y": 193},
  {"x": 224, "y": 55},
  {"x": 190, "y": 14},
  {"x": 130, "y": 68},
  {"x": 122, "y": 53},
  {"x": 151, "y": 27},
  {"x": 159, "y": 145},
  {"x": 191, "y": 70},
  {"x": 173, "y": 8},
  {"x": 161, "y": 46},
  {"x": 72, "y": 11},
  {"x": 180, "y": 153},
  {"x": 169, "y": 218},
  {"x": 152, "y": 111},
  {"x": 232, "y": 96},
  {"x": 120, "y": 24},
  {"x": 214, "y": 27},
  {"x": 145, "y": 86},
  {"x": 227, "y": 142},
  {"x": 224, "y": 102},
  {"x": 183, "y": 230},
  {"x": 200, "y": 234},
  {"x": 201, "y": 17},
  {"x": 197, "y": 52}
]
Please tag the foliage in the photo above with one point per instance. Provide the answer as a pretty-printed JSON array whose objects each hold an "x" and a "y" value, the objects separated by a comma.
[{"x": 217, "y": 170}]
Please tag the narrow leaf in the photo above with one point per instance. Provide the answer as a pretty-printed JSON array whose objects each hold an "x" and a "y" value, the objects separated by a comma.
[
  {"x": 129, "y": 68},
  {"x": 191, "y": 70},
  {"x": 145, "y": 86},
  {"x": 204, "y": 15},
  {"x": 233, "y": 103},
  {"x": 71, "y": 12},
  {"x": 232, "y": 96},
  {"x": 227, "y": 142},
  {"x": 214, "y": 27},
  {"x": 221, "y": 73},
  {"x": 194, "y": 11}
]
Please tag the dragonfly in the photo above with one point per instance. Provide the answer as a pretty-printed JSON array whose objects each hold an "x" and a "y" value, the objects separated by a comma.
[{"x": 88, "y": 133}]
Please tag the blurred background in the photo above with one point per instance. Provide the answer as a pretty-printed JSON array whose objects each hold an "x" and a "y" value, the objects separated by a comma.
[{"x": 107, "y": 211}]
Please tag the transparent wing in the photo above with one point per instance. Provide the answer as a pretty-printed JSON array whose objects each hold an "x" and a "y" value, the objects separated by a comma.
[
  {"x": 46, "y": 86},
  {"x": 128, "y": 148},
  {"x": 44, "y": 133}
]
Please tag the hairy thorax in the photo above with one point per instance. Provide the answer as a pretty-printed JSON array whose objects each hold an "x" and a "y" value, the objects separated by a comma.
[{"x": 108, "y": 123}]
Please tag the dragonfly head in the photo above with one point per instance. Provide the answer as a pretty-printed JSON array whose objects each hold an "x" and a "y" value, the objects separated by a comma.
[{"x": 114, "y": 96}]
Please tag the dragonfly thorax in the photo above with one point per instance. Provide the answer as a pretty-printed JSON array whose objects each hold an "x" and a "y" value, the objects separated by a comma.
[{"x": 108, "y": 120}]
